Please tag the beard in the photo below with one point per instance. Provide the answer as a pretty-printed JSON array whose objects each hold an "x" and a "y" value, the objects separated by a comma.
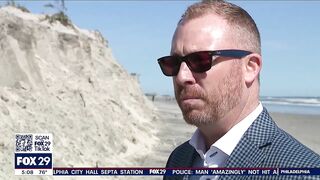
[{"x": 215, "y": 103}]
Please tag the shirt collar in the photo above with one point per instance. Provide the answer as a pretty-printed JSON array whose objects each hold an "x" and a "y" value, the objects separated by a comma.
[{"x": 227, "y": 142}]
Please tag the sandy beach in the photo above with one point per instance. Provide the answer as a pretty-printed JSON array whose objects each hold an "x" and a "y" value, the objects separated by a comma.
[{"x": 174, "y": 131}]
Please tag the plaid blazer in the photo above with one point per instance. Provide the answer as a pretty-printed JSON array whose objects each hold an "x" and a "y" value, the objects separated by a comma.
[{"x": 264, "y": 144}]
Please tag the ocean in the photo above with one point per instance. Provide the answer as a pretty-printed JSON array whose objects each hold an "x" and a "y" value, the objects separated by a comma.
[{"x": 292, "y": 105}]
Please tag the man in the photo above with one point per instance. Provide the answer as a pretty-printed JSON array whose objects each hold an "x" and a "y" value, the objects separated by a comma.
[{"x": 215, "y": 63}]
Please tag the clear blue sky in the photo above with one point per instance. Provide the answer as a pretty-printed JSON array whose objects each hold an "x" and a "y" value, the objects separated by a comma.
[{"x": 140, "y": 31}]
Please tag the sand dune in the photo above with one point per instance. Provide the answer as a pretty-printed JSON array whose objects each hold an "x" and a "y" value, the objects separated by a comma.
[{"x": 64, "y": 80}]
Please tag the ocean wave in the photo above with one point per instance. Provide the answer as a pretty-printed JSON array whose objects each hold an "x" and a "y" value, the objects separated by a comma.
[{"x": 299, "y": 101}]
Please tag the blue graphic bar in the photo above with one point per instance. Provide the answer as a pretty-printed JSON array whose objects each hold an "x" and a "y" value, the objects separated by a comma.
[
  {"x": 33, "y": 160},
  {"x": 57, "y": 171}
]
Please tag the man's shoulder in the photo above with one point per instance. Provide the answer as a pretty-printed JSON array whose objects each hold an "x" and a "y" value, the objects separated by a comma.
[
  {"x": 184, "y": 147},
  {"x": 181, "y": 156},
  {"x": 266, "y": 145},
  {"x": 292, "y": 152}
]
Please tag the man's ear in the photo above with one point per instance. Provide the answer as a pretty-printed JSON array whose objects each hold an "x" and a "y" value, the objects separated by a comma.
[{"x": 253, "y": 64}]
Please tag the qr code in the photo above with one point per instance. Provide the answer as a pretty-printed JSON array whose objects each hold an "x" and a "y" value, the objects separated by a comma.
[
  {"x": 42, "y": 143},
  {"x": 23, "y": 142}
]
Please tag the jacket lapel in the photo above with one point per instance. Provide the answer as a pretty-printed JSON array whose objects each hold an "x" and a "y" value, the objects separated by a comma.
[
  {"x": 250, "y": 151},
  {"x": 246, "y": 154}
]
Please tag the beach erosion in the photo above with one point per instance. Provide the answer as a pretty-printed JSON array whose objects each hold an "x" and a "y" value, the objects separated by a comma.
[
  {"x": 63, "y": 80},
  {"x": 173, "y": 131}
]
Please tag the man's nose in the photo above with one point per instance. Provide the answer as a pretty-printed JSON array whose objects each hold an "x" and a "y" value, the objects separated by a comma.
[{"x": 184, "y": 75}]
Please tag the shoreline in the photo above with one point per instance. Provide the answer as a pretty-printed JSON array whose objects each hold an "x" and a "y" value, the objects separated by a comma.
[{"x": 272, "y": 107}]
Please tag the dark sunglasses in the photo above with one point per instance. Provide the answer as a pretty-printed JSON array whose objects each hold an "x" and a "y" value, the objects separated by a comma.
[{"x": 198, "y": 62}]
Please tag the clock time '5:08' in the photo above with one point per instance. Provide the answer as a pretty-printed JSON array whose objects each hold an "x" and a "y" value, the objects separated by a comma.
[{"x": 27, "y": 171}]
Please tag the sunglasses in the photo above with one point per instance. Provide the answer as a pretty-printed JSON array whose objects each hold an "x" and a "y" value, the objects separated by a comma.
[{"x": 198, "y": 62}]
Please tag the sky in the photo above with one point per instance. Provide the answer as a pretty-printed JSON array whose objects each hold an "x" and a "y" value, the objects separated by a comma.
[{"x": 139, "y": 32}]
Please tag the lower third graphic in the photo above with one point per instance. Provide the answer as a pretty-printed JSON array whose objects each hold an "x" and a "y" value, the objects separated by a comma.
[{"x": 33, "y": 154}]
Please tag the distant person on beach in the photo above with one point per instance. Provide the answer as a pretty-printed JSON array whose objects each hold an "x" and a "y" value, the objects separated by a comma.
[{"x": 215, "y": 63}]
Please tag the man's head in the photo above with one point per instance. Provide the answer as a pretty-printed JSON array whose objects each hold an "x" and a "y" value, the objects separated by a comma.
[
  {"x": 232, "y": 81},
  {"x": 241, "y": 23}
]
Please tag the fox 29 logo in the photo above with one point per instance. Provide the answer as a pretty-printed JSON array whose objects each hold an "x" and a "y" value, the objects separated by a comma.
[{"x": 33, "y": 160}]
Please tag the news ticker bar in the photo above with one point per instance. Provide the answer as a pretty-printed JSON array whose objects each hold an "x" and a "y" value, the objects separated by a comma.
[{"x": 183, "y": 171}]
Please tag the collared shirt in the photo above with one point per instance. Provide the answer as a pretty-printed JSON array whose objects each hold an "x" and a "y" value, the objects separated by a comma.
[{"x": 219, "y": 152}]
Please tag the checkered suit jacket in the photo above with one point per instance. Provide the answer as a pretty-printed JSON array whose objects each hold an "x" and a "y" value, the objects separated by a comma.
[{"x": 264, "y": 144}]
